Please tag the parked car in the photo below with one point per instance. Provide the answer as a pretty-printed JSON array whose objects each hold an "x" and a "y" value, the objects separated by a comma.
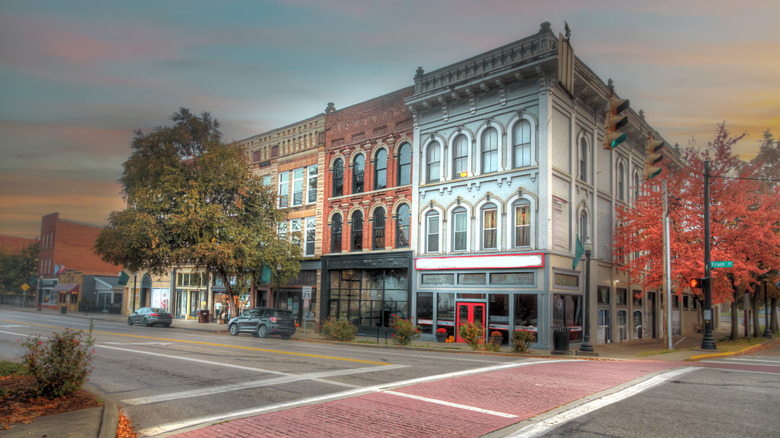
[
  {"x": 263, "y": 321},
  {"x": 150, "y": 316}
]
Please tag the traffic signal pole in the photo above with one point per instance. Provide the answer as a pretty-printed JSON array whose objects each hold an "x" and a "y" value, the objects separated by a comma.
[
  {"x": 667, "y": 265},
  {"x": 707, "y": 342}
]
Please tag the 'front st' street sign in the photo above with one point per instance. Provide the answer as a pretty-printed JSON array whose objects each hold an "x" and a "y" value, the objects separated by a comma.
[{"x": 728, "y": 264}]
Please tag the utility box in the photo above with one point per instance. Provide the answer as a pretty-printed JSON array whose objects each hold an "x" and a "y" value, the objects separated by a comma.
[{"x": 203, "y": 315}]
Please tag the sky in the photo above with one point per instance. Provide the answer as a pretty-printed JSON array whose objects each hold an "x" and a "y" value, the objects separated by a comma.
[{"x": 79, "y": 77}]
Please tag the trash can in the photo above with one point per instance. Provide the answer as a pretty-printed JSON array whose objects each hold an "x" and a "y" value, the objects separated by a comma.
[
  {"x": 560, "y": 339},
  {"x": 203, "y": 315},
  {"x": 64, "y": 310}
]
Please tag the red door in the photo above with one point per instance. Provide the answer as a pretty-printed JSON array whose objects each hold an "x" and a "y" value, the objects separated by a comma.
[{"x": 467, "y": 314}]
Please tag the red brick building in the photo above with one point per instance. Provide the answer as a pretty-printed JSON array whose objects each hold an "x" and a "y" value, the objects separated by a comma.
[
  {"x": 67, "y": 245},
  {"x": 366, "y": 255}
]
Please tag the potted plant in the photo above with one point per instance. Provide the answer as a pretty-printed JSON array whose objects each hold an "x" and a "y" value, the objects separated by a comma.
[
  {"x": 441, "y": 334},
  {"x": 496, "y": 337}
]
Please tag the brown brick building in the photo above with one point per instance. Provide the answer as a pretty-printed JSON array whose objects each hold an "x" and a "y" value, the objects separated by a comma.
[{"x": 366, "y": 254}]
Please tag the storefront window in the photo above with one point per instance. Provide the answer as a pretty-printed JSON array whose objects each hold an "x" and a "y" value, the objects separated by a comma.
[
  {"x": 567, "y": 312},
  {"x": 498, "y": 315},
  {"x": 622, "y": 325},
  {"x": 445, "y": 312},
  {"x": 526, "y": 314},
  {"x": 425, "y": 312},
  {"x": 369, "y": 298}
]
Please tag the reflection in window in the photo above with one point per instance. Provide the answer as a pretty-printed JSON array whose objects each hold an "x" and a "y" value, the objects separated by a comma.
[
  {"x": 460, "y": 156},
  {"x": 284, "y": 187},
  {"x": 312, "y": 186},
  {"x": 380, "y": 170},
  {"x": 526, "y": 313},
  {"x": 621, "y": 182},
  {"x": 489, "y": 150},
  {"x": 405, "y": 164},
  {"x": 358, "y": 167},
  {"x": 583, "y": 159},
  {"x": 338, "y": 178},
  {"x": 521, "y": 144},
  {"x": 567, "y": 312},
  {"x": 402, "y": 227},
  {"x": 379, "y": 229},
  {"x": 335, "y": 233},
  {"x": 298, "y": 186},
  {"x": 357, "y": 231}
]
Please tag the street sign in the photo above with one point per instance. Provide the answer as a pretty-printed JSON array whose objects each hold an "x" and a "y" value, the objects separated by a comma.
[
  {"x": 25, "y": 286},
  {"x": 306, "y": 292},
  {"x": 728, "y": 264}
]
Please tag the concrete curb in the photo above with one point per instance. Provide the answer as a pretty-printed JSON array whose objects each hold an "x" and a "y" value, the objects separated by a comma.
[
  {"x": 734, "y": 353},
  {"x": 109, "y": 421}
]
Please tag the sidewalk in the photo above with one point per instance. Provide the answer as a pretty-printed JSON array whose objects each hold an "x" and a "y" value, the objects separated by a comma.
[{"x": 102, "y": 422}]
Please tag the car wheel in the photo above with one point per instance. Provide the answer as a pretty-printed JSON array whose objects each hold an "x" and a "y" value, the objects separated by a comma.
[
  {"x": 146, "y": 322},
  {"x": 129, "y": 321},
  {"x": 262, "y": 331},
  {"x": 233, "y": 330}
]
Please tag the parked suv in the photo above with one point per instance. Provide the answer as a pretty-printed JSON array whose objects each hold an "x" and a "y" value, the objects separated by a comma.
[{"x": 263, "y": 321}]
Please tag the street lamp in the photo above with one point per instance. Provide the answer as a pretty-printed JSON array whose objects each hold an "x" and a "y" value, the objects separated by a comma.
[
  {"x": 586, "y": 346},
  {"x": 278, "y": 284},
  {"x": 40, "y": 282}
]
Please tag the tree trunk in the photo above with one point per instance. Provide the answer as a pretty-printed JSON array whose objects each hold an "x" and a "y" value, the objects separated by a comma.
[
  {"x": 756, "y": 315},
  {"x": 734, "y": 318},
  {"x": 773, "y": 316}
]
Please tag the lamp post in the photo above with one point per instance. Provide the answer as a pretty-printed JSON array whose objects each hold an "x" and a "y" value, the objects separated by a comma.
[
  {"x": 586, "y": 346},
  {"x": 767, "y": 331},
  {"x": 40, "y": 282},
  {"x": 278, "y": 283}
]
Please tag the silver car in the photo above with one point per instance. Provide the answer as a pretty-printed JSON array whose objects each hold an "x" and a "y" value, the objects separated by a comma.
[{"x": 150, "y": 316}]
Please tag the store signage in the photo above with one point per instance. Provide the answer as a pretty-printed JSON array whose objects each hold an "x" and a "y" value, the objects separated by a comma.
[{"x": 480, "y": 262}]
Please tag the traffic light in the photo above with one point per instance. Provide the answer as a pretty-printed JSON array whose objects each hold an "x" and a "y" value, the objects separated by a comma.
[
  {"x": 699, "y": 283},
  {"x": 653, "y": 152},
  {"x": 614, "y": 121}
]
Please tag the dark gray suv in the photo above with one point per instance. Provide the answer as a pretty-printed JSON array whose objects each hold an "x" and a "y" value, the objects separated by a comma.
[{"x": 263, "y": 321}]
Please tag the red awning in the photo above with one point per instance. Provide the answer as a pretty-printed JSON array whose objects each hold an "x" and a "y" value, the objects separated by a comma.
[{"x": 67, "y": 287}]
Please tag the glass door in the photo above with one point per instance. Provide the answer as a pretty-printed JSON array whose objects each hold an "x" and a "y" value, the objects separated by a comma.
[{"x": 469, "y": 313}]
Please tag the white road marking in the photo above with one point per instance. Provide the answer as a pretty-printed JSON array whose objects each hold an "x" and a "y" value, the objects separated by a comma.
[
  {"x": 138, "y": 343},
  {"x": 741, "y": 359},
  {"x": 450, "y": 404},
  {"x": 723, "y": 362},
  {"x": 288, "y": 378},
  {"x": 543, "y": 427},
  {"x": 204, "y": 421}
]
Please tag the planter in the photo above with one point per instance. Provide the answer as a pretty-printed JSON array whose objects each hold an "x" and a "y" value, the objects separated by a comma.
[
  {"x": 496, "y": 340},
  {"x": 441, "y": 337}
]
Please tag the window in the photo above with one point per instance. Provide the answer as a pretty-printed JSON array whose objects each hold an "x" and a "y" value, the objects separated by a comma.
[
  {"x": 636, "y": 186},
  {"x": 380, "y": 170},
  {"x": 460, "y": 156},
  {"x": 311, "y": 196},
  {"x": 432, "y": 229},
  {"x": 489, "y": 150},
  {"x": 584, "y": 226},
  {"x": 281, "y": 230},
  {"x": 357, "y": 173},
  {"x": 489, "y": 227},
  {"x": 432, "y": 162},
  {"x": 357, "y": 231},
  {"x": 522, "y": 224},
  {"x": 459, "y": 230},
  {"x": 266, "y": 180},
  {"x": 335, "y": 233},
  {"x": 295, "y": 232},
  {"x": 311, "y": 232},
  {"x": 379, "y": 229},
  {"x": 338, "y": 178},
  {"x": 583, "y": 159},
  {"x": 521, "y": 144},
  {"x": 298, "y": 186},
  {"x": 405, "y": 164},
  {"x": 402, "y": 227},
  {"x": 284, "y": 189},
  {"x": 621, "y": 182}
]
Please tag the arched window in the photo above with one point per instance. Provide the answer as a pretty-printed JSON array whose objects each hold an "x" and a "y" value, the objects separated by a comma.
[
  {"x": 405, "y": 164},
  {"x": 521, "y": 144},
  {"x": 636, "y": 186},
  {"x": 433, "y": 163},
  {"x": 621, "y": 182},
  {"x": 335, "y": 233},
  {"x": 338, "y": 178},
  {"x": 357, "y": 173},
  {"x": 522, "y": 229},
  {"x": 489, "y": 226},
  {"x": 460, "y": 157},
  {"x": 459, "y": 229},
  {"x": 379, "y": 229},
  {"x": 583, "y": 159},
  {"x": 380, "y": 170},
  {"x": 402, "y": 227},
  {"x": 357, "y": 232},
  {"x": 489, "y": 150},
  {"x": 432, "y": 232}
]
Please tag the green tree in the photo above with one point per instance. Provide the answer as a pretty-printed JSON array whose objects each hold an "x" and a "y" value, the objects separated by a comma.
[
  {"x": 17, "y": 269},
  {"x": 193, "y": 200}
]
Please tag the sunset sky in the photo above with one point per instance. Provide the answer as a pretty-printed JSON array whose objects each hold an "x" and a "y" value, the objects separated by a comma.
[{"x": 78, "y": 77}]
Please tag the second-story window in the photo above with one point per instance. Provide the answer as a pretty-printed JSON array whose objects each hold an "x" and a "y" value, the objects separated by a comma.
[
  {"x": 522, "y": 224},
  {"x": 284, "y": 189},
  {"x": 432, "y": 162},
  {"x": 298, "y": 175},
  {"x": 636, "y": 186},
  {"x": 490, "y": 150},
  {"x": 583, "y": 159},
  {"x": 460, "y": 157},
  {"x": 311, "y": 232},
  {"x": 380, "y": 170},
  {"x": 295, "y": 232},
  {"x": 489, "y": 227},
  {"x": 379, "y": 229},
  {"x": 402, "y": 227},
  {"x": 311, "y": 190},
  {"x": 338, "y": 178},
  {"x": 459, "y": 229},
  {"x": 621, "y": 182},
  {"x": 335, "y": 233},
  {"x": 357, "y": 231},
  {"x": 404, "y": 165},
  {"x": 358, "y": 168},
  {"x": 432, "y": 231}
]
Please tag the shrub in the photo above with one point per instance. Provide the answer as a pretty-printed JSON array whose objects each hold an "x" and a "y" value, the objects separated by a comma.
[
  {"x": 405, "y": 331},
  {"x": 339, "y": 330},
  {"x": 473, "y": 334},
  {"x": 59, "y": 365},
  {"x": 521, "y": 340}
]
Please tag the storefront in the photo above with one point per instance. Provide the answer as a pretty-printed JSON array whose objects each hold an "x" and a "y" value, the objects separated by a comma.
[
  {"x": 366, "y": 289},
  {"x": 191, "y": 294},
  {"x": 501, "y": 293}
]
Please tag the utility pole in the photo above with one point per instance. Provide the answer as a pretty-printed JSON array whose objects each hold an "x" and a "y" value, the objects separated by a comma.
[
  {"x": 667, "y": 265},
  {"x": 707, "y": 342}
]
